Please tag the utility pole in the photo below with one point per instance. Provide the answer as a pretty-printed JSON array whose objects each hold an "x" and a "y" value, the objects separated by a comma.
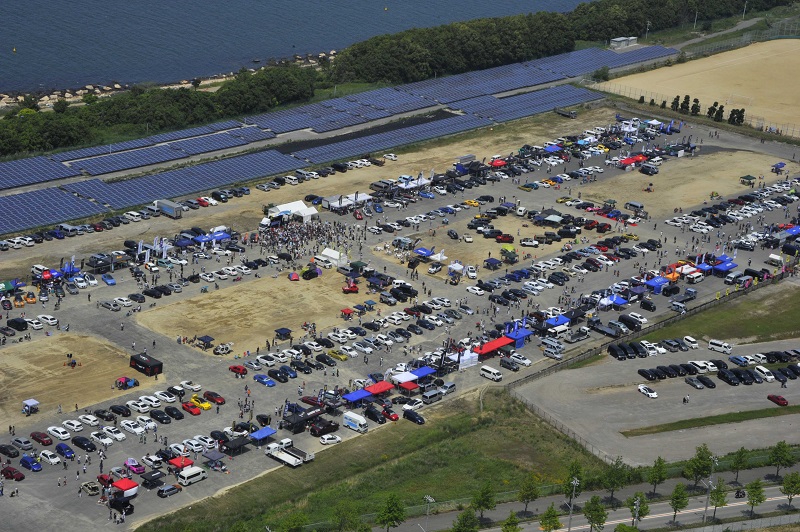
[
  {"x": 428, "y": 501},
  {"x": 574, "y": 483},
  {"x": 710, "y": 485},
  {"x": 696, "y": 11},
  {"x": 744, "y": 10},
  {"x": 635, "y": 511},
  {"x": 647, "y": 32}
]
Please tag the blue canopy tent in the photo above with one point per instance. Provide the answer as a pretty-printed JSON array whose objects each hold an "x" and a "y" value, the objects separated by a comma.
[
  {"x": 370, "y": 304},
  {"x": 352, "y": 274},
  {"x": 283, "y": 333},
  {"x": 361, "y": 309},
  {"x": 552, "y": 148},
  {"x": 492, "y": 263},
  {"x": 183, "y": 243},
  {"x": 356, "y": 396},
  {"x": 656, "y": 284},
  {"x": 779, "y": 165},
  {"x": 423, "y": 371},
  {"x": 220, "y": 235},
  {"x": 202, "y": 238},
  {"x": 424, "y": 252},
  {"x": 70, "y": 269},
  {"x": 377, "y": 281},
  {"x": 724, "y": 258},
  {"x": 617, "y": 299},
  {"x": 558, "y": 320},
  {"x": 703, "y": 267},
  {"x": 262, "y": 434},
  {"x": 519, "y": 333},
  {"x": 721, "y": 269}
]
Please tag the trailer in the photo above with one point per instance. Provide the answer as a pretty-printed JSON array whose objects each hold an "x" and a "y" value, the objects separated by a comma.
[
  {"x": 276, "y": 451},
  {"x": 288, "y": 446},
  {"x": 688, "y": 295},
  {"x": 564, "y": 112},
  {"x": 146, "y": 364},
  {"x": 169, "y": 208},
  {"x": 581, "y": 334}
]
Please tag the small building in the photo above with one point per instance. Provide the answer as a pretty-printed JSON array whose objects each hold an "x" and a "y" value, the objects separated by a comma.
[{"x": 623, "y": 42}]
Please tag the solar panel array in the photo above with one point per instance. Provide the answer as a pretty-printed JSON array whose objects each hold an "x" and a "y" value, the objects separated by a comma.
[
  {"x": 127, "y": 160},
  {"x": 390, "y": 139},
  {"x": 198, "y": 145},
  {"x": 391, "y": 99},
  {"x": 31, "y": 171},
  {"x": 184, "y": 181},
  {"x": 43, "y": 207},
  {"x": 227, "y": 124},
  {"x": 182, "y": 134},
  {"x": 588, "y": 60},
  {"x": 251, "y": 134},
  {"x": 522, "y": 105},
  {"x": 101, "y": 150}
]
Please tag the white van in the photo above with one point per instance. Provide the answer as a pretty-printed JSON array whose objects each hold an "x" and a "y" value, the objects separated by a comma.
[
  {"x": 677, "y": 307},
  {"x": 700, "y": 365},
  {"x": 153, "y": 211},
  {"x": 691, "y": 342},
  {"x": 432, "y": 396},
  {"x": 552, "y": 343},
  {"x": 656, "y": 161},
  {"x": 133, "y": 216},
  {"x": 38, "y": 269},
  {"x": 559, "y": 331},
  {"x": 322, "y": 261},
  {"x": 491, "y": 373},
  {"x": 190, "y": 475},
  {"x": 694, "y": 278},
  {"x": 731, "y": 277},
  {"x": 719, "y": 345},
  {"x": 553, "y": 353},
  {"x": 764, "y": 373},
  {"x": 291, "y": 180}
]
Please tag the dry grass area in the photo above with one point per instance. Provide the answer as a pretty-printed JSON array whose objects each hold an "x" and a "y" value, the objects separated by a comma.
[
  {"x": 37, "y": 369},
  {"x": 755, "y": 77}
]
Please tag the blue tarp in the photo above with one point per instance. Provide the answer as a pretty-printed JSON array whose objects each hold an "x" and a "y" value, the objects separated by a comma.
[
  {"x": 220, "y": 235},
  {"x": 262, "y": 434},
  {"x": 357, "y": 395},
  {"x": 493, "y": 262},
  {"x": 202, "y": 238},
  {"x": 793, "y": 230},
  {"x": 558, "y": 320},
  {"x": 423, "y": 371},
  {"x": 724, "y": 258},
  {"x": 725, "y": 267},
  {"x": 423, "y": 252},
  {"x": 703, "y": 267},
  {"x": 552, "y": 149},
  {"x": 375, "y": 280},
  {"x": 779, "y": 165},
  {"x": 617, "y": 299}
]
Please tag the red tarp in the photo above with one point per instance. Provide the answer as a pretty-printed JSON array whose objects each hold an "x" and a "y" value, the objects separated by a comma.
[
  {"x": 125, "y": 484},
  {"x": 379, "y": 387},
  {"x": 632, "y": 160},
  {"x": 347, "y": 311},
  {"x": 497, "y": 163},
  {"x": 493, "y": 345},
  {"x": 181, "y": 462},
  {"x": 409, "y": 385}
]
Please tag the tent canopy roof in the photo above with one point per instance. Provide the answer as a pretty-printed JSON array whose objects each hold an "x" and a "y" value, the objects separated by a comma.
[
  {"x": 379, "y": 387},
  {"x": 493, "y": 345}
]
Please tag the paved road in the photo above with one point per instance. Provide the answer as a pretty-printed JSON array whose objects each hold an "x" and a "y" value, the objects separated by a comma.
[{"x": 740, "y": 26}]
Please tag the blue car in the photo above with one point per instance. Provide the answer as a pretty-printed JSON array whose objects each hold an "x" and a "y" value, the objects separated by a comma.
[
  {"x": 739, "y": 361},
  {"x": 65, "y": 450},
  {"x": 289, "y": 372},
  {"x": 109, "y": 279},
  {"x": 426, "y": 194},
  {"x": 377, "y": 207},
  {"x": 28, "y": 462},
  {"x": 263, "y": 379},
  {"x": 447, "y": 210}
]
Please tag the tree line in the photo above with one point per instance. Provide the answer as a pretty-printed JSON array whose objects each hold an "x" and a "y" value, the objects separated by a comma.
[
  {"x": 403, "y": 57},
  {"x": 715, "y": 112}
]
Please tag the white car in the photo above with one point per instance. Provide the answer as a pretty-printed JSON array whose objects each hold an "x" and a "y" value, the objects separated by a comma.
[
  {"x": 80, "y": 282},
  {"x": 34, "y": 324},
  {"x": 649, "y": 392},
  {"x": 150, "y": 401},
  {"x": 468, "y": 239},
  {"x": 638, "y": 317},
  {"x": 114, "y": 433},
  {"x": 280, "y": 356},
  {"x": 219, "y": 274},
  {"x": 101, "y": 438},
  {"x": 385, "y": 340},
  {"x": 330, "y": 439},
  {"x": 90, "y": 279},
  {"x": 207, "y": 277},
  {"x": 123, "y": 301},
  {"x": 475, "y": 290},
  {"x": 674, "y": 222},
  {"x": 189, "y": 385},
  {"x": 231, "y": 433},
  {"x": 472, "y": 273},
  {"x": 390, "y": 156},
  {"x": 349, "y": 351},
  {"x": 138, "y": 406},
  {"x": 132, "y": 427},
  {"x": 641, "y": 249},
  {"x": 314, "y": 346},
  {"x": 178, "y": 262},
  {"x": 521, "y": 360},
  {"x": 394, "y": 319},
  {"x": 433, "y": 304},
  {"x": 244, "y": 270},
  {"x": 347, "y": 333},
  {"x": 194, "y": 446},
  {"x": 47, "y": 318},
  {"x": 220, "y": 251},
  {"x": 205, "y": 441},
  {"x": 414, "y": 404},
  {"x": 434, "y": 319},
  {"x": 73, "y": 425},
  {"x": 146, "y": 422},
  {"x": 337, "y": 337},
  {"x": 58, "y": 433},
  {"x": 89, "y": 419},
  {"x": 265, "y": 360},
  {"x": 211, "y": 201},
  {"x": 153, "y": 461},
  {"x": 529, "y": 242},
  {"x": 49, "y": 457},
  {"x": 363, "y": 347},
  {"x": 165, "y": 397},
  {"x": 443, "y": 301},
  {"x": 578, "y": 269},
  {"x": 229, "y": 270},
  {"x": 179, "y": 449}
]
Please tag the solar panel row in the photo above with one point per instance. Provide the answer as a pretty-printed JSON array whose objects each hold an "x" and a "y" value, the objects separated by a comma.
[
  {"x": 197, "y": 145},
  {"x": 43, "y": 207},
  {"x": 126, "y": 160},
  {"x": 101, "y": 150},
  {"x": 30, "y": 171},
  {"x": 531, "y": 103},
  {"x": 251, "y": 134}
]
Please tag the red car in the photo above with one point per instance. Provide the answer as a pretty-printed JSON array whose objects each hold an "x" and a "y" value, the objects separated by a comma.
[
  {"x": 389, "y": 414},
  {"x": 504, "y": 238},
  {"x": 357, "y": 214},
  {"x": 105, "y": 480},
  {"x": 214, "y": 397},
  {"x": 202, "y": 202},
  {"x": 778, "y": 400},
  {"x": 311, "y": 400},
  {"x": 239, "y": 370},
  {"x": 98, "y": 227},
  {"x": 603, "y": 228},
  {"x": 352, "y": 289},
  {"x": 10, "y": 473},
  {"x": 41, "y": 437},
  {"x": 601, "y": 247},
  {"x": 412, "y": 312},
  {"x": 591, "y": 224},
  {"x": 191, "y": 408}
]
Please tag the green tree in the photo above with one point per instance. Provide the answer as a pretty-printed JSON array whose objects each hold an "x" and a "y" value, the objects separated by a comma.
[
  {"x": 657, "y": 473},
  {"x": 484, "y": 499},
  {"x": 712, "y": 110},
  {"x": 89, "y": 99},
  {"x": 676, "y": 103},
  {"x": 644, "y": 508},
  {"x": 511, "y": 524},
  {"x": 718, "y": 496},
  {"x": 780, "y": 456},
  {"x": 678, "y": 500},
  {"x": 755, "y": 495},
  {"x": 601, "y": 74},
  {"x": 616, "y": 476},
  {"x": 695, "y": 107},
  {"x": 685, "y": 105},
  {"x": 595, "y": 513},
  {"x": 575, "y": 471},
  {"x": 345, "y": 516},
  {"x": 466, "y": 521},
  {"x": 699, "y": 466},
  {"x": 718, "y": 116},
  {"x": 60, "y": 106},
  {"x": 392, "y": 514},
  {"x": 740, "y": 461},
  {"x": 29, "y": 102},
  {"x": 549, "y": 520},
  {"x": 740, "y": 117},
  {"x": 622, "y": 527},
  {"x": 528, "y": 490},
  {"x": 791, "y": 486},
  {"x": 196, "y": 83},
  {"x": 294, "y": 522}
]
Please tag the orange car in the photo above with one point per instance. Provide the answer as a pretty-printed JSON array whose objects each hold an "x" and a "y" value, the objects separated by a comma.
[
  {"x": 18, "y": 301},
  {"x": 30, "y": 297}
]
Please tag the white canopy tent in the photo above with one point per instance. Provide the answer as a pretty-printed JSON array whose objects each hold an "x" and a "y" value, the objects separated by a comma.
[
  {"x": 337, "y": 258},
  {"x": 400, "y": 378},
  {"x": 468, "y": 359},
  {"x": 438, "y": 256},
  {"x": 307, "y": 214}
]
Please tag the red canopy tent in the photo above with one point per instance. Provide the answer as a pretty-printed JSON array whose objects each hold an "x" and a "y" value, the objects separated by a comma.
[
  {"x": 127, "y": 486},
  {"x": 181, "y": 462},
  {"x": 409, "y": 385},
  {"x": 379, "y": 387},
  {"x": 498, "y": 163},
  {"x": 488, "y": 347}
]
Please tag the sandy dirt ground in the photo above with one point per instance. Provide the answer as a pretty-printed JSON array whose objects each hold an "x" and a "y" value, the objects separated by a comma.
[
  {"x": 755, "y": 77},
  {"x": 37, "y": 369}
]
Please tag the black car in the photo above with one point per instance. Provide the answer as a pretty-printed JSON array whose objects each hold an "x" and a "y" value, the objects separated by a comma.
[
  {"x": 120, "y": 410},
  {"x": 374, "y": 414},
  {"x": 647, "y": 374},
  {"x": 425, "y": 324},
  {"x": 372, "y": 326},
  {"x": 452, "y": 234},
  {"x": 413, "y": 416},
  {"x": 105, "y": 415},
  {"x": 400, "y": 400},
  {"x": 219, "y": 436},
  {"x": 138, "y": 298},
  {"x": 677, "y": 368},
  {"x": 246, "y": 426},
  {"x": 166, "y": 454},
  {"x": 300, "y": 366},
  {"x": 325, "y": 359},
  {"x": 180, "y": 392},
  {"x": 164, "y": 290},
  {"x": 689, "y": 369},
  {"x": 728, "y": 377},
  {"x": 668, "y": 371},
  {"x": 324, "y": 342},
  {"x": 84, "y": 443},
  {"x": 360, "y": 331},
  {"x": 500, "y": 300},
  {"x": 161, "y": 417},
  {"x": 414, "y": 328},
  {"x": 303, "y": 349},
  {"x": 310, "y": 362},
  {"x": 277, "y": 375},
  {"x": 707, "y": 382},
  {"x": 173, "y": 412},
  {"x": 152, "y": 292},
  {"x": 786, "y": 372},
  {"x": 507, "y": 294},
  {"x": 720, "y": 364},
  {"x": 9, "y": 450}
]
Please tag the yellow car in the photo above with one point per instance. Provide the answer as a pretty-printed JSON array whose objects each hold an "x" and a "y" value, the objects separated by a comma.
[
  {"x": 563, "y": 199},
  {"x": 630, "y": 236},
  {"x": 18, "y": 301},
  {"x": 482, "y": 217},
  {"x": 30, "y": 297},
  {"x": 601, "y": 147},
  {"x": 199, "y": 402},
  {"x": 549, "y": 182},
  {"x": 472, "y": 203},
  {"x": 338, "y": 355}
]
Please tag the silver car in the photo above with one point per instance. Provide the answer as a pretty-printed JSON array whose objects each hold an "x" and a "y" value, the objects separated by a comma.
[{"x": 110, "y": 305}]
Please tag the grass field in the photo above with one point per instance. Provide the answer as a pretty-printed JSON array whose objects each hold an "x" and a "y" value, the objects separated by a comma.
[
  {"x": 449, "y": 458},
  {"x": 733, "y": 417}
]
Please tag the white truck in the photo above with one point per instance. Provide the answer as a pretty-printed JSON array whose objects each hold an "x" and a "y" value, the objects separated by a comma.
[
  {"x": 355, "y": 422},
  {"x": 276, "y": 451},
  {"x": 169, "y": 208},
  {"x": 288, "y": 446}
]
